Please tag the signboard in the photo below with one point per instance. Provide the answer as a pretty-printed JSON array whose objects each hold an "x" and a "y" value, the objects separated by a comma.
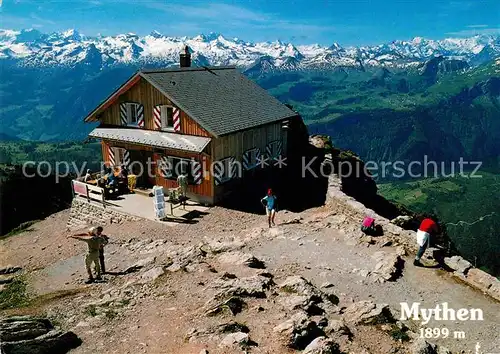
[
  {"x": 80, "y": 188},
  {"x": 159, "y": 202}
]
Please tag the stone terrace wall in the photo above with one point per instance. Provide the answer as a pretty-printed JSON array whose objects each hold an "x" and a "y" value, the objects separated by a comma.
[
  {"x": 353, "y": 213},
  {"x": 84, "y": 213}
]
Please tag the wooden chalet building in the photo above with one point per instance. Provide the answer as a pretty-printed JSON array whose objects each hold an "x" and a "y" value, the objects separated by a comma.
[{"x": 202, "y": 117}]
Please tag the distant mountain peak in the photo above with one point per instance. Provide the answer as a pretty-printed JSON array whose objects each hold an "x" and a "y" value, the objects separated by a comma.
[{"x": 31, "y": 47}]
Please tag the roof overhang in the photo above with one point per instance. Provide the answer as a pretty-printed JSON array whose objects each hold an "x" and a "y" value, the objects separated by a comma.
[
  {"x": 157, "y": 139},
  {"x": 92, "y": 116}
]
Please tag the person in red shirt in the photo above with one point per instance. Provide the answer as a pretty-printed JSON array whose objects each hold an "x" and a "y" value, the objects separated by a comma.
[{"x": 428, "y": 227}]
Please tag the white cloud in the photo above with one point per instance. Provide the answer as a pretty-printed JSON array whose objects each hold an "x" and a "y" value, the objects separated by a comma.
[
  {"x": 473, "y": 31},
  {"x": 477, "y": 26}
]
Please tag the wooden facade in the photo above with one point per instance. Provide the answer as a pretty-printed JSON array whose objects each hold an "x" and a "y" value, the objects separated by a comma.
[{"x": 144, "y": 93}]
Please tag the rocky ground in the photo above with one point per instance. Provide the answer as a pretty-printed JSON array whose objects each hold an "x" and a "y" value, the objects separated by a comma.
[{"x": 229, "y": 284}]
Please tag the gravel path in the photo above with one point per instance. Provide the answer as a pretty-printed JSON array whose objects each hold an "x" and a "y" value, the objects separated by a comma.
[{"x": 163, "y": 312}]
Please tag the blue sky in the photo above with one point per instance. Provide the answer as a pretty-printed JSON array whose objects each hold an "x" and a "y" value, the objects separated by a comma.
[{"x": 354, "y": 22}]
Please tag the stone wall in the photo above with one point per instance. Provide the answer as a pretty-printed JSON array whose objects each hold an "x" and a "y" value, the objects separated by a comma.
[
  {"x": 84, "y": 213},
  {"x": 353, "y": 213}
]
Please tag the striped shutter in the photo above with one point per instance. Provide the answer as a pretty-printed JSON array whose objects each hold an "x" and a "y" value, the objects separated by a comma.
[
  {"x": 247, "y": 158},
  {"x": 157, "y": 117},
  {"x": 165, "y": 167},
  {"x": 126, "y": 158},
  {"x": 111, "y": 156},
  {"x": 234, "y": 168},
  {"x": 196, "y": 172},
  {"x": 140, "y": 116},
  {"x": 269, "y": 149},
  {"x": 218, "y": 168},
  {"x": 123, "y": 113},
  {"x": 177, "y": 119}
]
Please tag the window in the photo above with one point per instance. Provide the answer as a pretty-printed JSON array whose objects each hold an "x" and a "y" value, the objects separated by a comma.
[
  {"x": 132, "y": 113},
  {"x": 251, "y": 158},
  {"x": 171, "y": 167},
  {"x": 167, "y": 117}
]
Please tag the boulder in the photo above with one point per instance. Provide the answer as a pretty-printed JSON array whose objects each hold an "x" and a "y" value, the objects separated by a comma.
[
  {"x": 494, "y": 290},
  {"x": 388, "y": 268},
  {"x": 298, "y": 331},
  {"x": 235, "y": 339},
  {"x": 404, "y": 221},
  {"x": 458, "y": 264},
  {"x": 9, "y": 270},
  {"x": 151, "y": 275},
  {"x": 140, "y": 264},
  {"x": 301, "y": 294},
  {"x": 26, "y": 335},
  {"x": 241, "y": 258},
  {"x": 224, "y": 246},
  {"x": 217, "y": 330},
  {"x": 420, "y": 346},
  {"x": 6, "y": 279},
  {"x": 442, "y": 350},
  {"x": 254, "y": 286},
  {"x": 367, "y": 312},
  {"x": 481, "y": 280},
  {"x": 337, "y": 327},
  {"x": 233, "y": 304},
  {"x": 322, "y": 345}
]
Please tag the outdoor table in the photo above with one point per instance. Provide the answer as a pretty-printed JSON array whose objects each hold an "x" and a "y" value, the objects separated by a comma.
[{"x": 180, "y": 201}]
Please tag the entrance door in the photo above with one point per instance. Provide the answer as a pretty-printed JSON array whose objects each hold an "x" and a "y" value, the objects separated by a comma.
[{"x": 142, "y": 165}]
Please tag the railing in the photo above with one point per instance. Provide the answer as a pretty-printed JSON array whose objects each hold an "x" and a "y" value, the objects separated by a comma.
[{"x": 88, "y": 191}]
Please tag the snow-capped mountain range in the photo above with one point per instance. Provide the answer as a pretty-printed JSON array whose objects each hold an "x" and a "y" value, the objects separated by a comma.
[{"x": 32, "y": 48}]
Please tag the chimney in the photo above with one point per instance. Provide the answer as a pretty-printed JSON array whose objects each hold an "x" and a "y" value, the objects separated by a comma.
[{"x": 185, "y": 60}]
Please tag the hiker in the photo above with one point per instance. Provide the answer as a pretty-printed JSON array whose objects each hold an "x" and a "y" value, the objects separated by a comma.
[
  {"x": 269, "y": 202},
  {"x": 182, "y": 180},
  {"x": 428, "y": 228},
  {"x": 99, "y": 233},
  {"x": 368, "y": 226},
  {"x": 94, "y": 243}
]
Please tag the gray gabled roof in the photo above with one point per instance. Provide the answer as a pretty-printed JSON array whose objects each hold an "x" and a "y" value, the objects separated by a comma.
[
  {"x": 220, "y": 99},
  {"x": 153, "y": 138}
]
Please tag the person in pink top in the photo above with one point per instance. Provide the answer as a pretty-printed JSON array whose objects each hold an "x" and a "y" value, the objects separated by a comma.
[{"x": 368, "y": 226}]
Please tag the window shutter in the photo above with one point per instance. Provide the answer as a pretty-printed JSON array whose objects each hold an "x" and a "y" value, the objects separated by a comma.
[
  {"x": 218, "y": 168},
  {"x": 196, "y": 172},
  {"x": 123, "y": 113},
  {"x": 177, "y": 119},
  {"x": 157, "y": 117},
  {"x": 140, "y": 116},
  {"x": 233, "y": 166},
  {"x": 111, "y": 155},
  {"x": 248, "y": 161},
  {"x": 165, "y": 167},
  {"x": 126, "y": 158}
]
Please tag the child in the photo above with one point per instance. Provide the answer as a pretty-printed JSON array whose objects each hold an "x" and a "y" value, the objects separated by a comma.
[{"x": 269, "y": 202}]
